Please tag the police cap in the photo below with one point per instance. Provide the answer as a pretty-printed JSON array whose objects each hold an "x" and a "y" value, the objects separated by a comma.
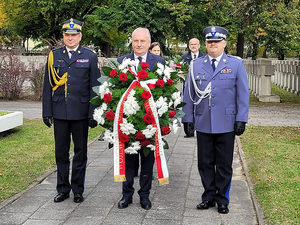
[
  {"x": 215, "y": 33},
  {"x": 72, "y": 26}
]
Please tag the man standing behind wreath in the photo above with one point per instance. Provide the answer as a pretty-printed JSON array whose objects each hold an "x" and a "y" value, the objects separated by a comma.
[
  {"x": 194, "y": 53},
  {"x": 71, "y": 72},
  {"x": 217, "y": 98},
  {"x": 141, "y": 41}
]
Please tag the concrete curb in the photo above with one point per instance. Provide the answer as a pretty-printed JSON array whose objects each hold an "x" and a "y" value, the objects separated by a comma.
[{"x": 256, "y": 204}]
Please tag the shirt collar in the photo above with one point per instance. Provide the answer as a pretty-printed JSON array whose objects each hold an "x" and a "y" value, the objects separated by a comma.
[
  {"x": 217, "y": 59},
  {"x": 144, "y": 57}
]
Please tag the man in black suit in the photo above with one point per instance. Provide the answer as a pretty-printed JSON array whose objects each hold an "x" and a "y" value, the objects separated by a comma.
[
  {"x": 71, "y": 72},
  {"x": 141, "y": 41},
  {"x": 194, "y": 53}
]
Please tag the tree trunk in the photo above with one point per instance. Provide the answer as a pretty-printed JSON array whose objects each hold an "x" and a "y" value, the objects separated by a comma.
[
  {"x": 254, "y": 50},
  {"x": 240, "y": 45},
  {"x": 105, "y": 49}
]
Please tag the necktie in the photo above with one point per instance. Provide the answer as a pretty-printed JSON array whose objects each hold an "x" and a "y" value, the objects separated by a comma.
[
  {"x": 213, "y": 64},
  {"x": 140, "y": 59},
  {"x": 71, "y": 52},
  {"x": 194, "y": 56}
]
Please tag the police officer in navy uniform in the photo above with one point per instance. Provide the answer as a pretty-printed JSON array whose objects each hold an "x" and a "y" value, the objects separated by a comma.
[
  {"x": 217, "y": 98},
  {"x": 71, "y": 73},
  {"x": 141, "y": 41}
]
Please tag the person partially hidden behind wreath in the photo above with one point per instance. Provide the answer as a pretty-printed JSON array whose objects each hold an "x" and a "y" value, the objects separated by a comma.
[{"x": 71, "y": 72}]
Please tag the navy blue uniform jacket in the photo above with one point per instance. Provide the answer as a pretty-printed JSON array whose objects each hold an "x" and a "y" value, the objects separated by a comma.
[{"x": 83, "y": 73}]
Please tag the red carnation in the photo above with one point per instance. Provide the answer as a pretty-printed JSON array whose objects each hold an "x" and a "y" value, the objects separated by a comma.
[
  {"x": 145, "y": 142},
  {"x": 170, "y": 82},
  {"x": 123, "y": 137},
  {"x": 146, "y": 95},
  {"x": 107, "y": 97},
  {"x": 144, "y": 65},
  {"x": 172, "y": 113},
  {"x": 123, "y": 77},
  {"x": 110, "y": 115},
  {"x": 113, "y": 73},
  {"x": 139, "y": 135},
  {"x": 148, "y": 118},
  {"x": 160, "y": 83},
  {"x": 165, "y": 130},
  {"x": 178, "y": 64},
  {"x": 142, "y": 74}
]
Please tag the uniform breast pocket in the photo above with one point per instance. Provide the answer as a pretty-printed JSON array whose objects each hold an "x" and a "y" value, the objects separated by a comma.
[
  {"x": 228, "y": 80},
  {"x": 82, "y": 65},
  {"x": 59, "y": 66}
]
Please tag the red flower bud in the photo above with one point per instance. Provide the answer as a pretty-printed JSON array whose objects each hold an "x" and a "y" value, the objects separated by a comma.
[
  {"x": 144, "y": 65},
  {"x": 123, "y": 77},
  {"x": 140, "y": 136},
  {"x": 165, "y": 130},
  {"x": 107, "y": 97},
  {"x": 148, "y": 118},
  {"x": 172, "y": 113},
  {"x": 178, "y": 64},
  {"x": 113, "y": 73},
  {"x": 110, "y": 115},
  {"x": 146, "y": 95},
  {"x": 160, "y": 83},
  {"x": 123, "y": 137},
  {"x": 170, "y": 82},
  {"x": 142, "y": 74}
]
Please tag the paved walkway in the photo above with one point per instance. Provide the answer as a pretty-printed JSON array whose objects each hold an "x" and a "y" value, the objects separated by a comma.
[{"x": 172, "y": 204}]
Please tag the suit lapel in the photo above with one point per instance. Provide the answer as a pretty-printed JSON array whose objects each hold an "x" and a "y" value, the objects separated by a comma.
[{"x": 207, "y": 65}]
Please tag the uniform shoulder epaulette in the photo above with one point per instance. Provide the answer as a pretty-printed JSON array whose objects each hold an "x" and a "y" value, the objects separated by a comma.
[
  {"x": 57, "y": 48},
  {"x": 235, "y": 56},
  {"x": 89, "y": 49}
]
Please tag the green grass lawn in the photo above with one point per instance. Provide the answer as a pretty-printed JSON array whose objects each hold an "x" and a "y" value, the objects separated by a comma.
[
  {"x": 2, "y": 113},
  {"x": 272, "y": 155},
  {"x": 26, "y": 153}
]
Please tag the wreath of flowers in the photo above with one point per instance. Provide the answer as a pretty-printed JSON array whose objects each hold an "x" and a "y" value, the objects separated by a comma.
[{"x": 137, "y": 130}]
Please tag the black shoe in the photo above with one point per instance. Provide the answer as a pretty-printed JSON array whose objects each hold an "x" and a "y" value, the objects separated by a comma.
[
  {"x": 145, "y": 203},
  {"x": 60, "y": 197},
  {"x": 206, "y": 204},
  {"x": 124, "y": 202},
  {"x": 222, "y": 208},
  {"x": 78, "y": 198}
]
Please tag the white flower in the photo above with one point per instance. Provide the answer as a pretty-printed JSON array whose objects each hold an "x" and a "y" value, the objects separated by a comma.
[
  {"x": 97, "y": 115},
  {"x": 127, "y": 128},
  {"x": 152, "y": 147},
  {"x": 104, "y": 89},
  {"x": 124, "y": 64},
  {"x": 133, "y": 149},
  {"x": 175, "y": 125},
  {"x": 149, "y": 131},
  {"x": 108, "y": 136},
  {"x": 177, "y": 98},
  {"x": 161, "y": 105},
  {"x": 170, "y": 103},
  {"x": 167, "y": 74},
  {"x": 131, "y": 106}
]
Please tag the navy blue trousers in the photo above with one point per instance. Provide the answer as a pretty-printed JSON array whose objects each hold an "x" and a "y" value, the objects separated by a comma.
[{"x": 63, "y": 130}]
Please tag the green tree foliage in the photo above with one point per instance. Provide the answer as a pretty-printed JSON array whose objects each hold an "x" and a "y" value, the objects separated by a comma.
[{"x": 261, "y": 25}]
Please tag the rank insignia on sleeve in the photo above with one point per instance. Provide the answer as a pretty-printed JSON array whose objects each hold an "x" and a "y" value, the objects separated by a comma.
[{"x": 226, "y": 70}]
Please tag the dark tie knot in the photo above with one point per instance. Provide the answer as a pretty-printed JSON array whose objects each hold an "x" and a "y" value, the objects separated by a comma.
[
  {"x": 72, "y": 52},
  {"x": 140, "y": 59},
  {"x": 195, "y": 56}
]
